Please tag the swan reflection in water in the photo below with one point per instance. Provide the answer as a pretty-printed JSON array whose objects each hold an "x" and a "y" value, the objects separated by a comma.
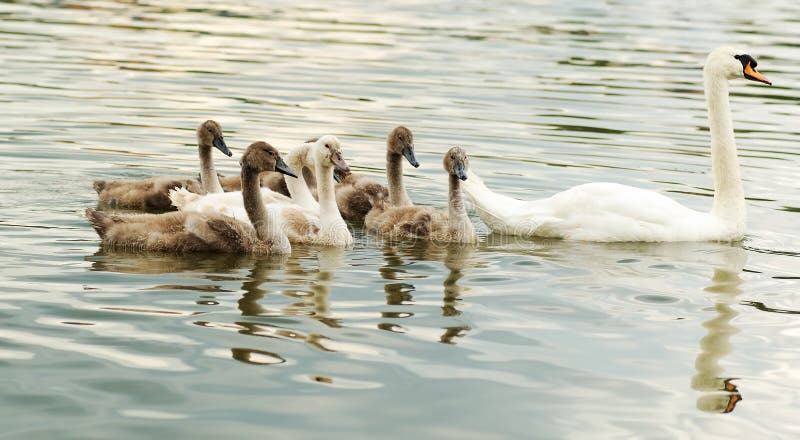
[
  {"x": 154, "y": 263},
  {"x": 719, "y": 393},
  {"x": 455, "y": 256},
  {"x": 314, "y": 304},
  {"x": 311, "y": 285}
]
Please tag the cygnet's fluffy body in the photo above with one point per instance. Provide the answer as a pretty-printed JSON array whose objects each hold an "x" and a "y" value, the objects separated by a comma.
[
  {"x": 195, "y": 232},
  {"x": 422, "y": 222},
  {"x": 153, "y": 194}
]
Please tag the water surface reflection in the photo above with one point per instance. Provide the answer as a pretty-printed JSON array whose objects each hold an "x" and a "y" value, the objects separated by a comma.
[
  {"x": 455, "y": 257},
  {"x": 719, "y": 393},
  {"x": 507, "y": 338},
  {"x": 618, "y": 266}
]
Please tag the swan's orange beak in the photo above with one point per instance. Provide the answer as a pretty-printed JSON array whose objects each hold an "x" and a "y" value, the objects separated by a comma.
[{"x": 753, "y": 75}]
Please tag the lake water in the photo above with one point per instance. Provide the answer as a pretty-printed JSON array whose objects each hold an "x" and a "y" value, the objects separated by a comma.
[{"x": 507, "y": 339}]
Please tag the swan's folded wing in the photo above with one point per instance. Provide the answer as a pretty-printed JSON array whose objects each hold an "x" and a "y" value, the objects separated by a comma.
[
  {"x": 231, "y": 234},
  {"x": 222, "y": 203},
  {"x": 220, "y": 234},
  {"x": 613, "y": 212},
  {"x": 270, "y": 196}
]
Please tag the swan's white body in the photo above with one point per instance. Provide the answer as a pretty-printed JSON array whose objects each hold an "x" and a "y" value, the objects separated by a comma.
[
  {"x": 226, "y": 203},
  {"x": 611, "y": 212},
  {"x": 597, "y": 212},
  {"x": 278, "y": 206},
  {"x": 321, "y": 226}
]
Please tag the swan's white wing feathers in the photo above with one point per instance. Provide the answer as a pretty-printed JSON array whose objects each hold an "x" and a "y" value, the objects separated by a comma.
[
  {"x": 614, "y": 212},
  {"x": 596, "y": 212},
  {"x": 222, "y": 203}
]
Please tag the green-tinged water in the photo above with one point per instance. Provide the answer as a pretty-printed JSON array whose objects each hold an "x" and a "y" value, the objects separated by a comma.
[{"x": 510, "y": 338}]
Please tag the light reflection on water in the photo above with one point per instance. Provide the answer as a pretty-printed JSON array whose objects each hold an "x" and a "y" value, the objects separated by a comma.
[{"x": 509, "y": 338}]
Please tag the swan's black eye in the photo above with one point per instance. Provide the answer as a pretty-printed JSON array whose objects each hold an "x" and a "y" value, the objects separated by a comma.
[
  {"x": 328, "y": 146},
  {"x": 210, "y": 130},
  {"x": 746, "y": 59}
]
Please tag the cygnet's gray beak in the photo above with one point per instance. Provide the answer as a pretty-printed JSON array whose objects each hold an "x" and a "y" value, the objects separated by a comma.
[
  {"x": 282, "y": 168},
  {"x": 461, "y": 170},
  {"x": 408, "y": 153},
  {"x": 340, "y": 174},
  {"x": 340, "y": 167},
  {"x": 219, "y": 143}
]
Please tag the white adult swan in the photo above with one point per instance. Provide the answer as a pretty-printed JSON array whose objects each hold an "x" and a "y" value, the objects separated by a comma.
[{"x": 611, "y": 212}]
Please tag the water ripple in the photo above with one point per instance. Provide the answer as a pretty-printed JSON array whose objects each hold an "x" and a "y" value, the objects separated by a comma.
[{"x": 504, "y": 337}]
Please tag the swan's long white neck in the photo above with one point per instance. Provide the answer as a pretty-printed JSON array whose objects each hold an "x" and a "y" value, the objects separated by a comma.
[
  {"x": 333, "y": 229},
  {"x": 729, "y": 203},
  {"x": 208, "y": 174},
  {"x": 328, "y": 209},
  {"x": 297, "y": 186},
  {"x": 266, "y": 229},
  {"x": 394, "y": 175}
]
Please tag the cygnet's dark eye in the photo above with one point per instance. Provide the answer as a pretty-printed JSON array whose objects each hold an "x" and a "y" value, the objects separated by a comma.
[
  {"x": 210, "y": 130},
  {"x": 328, "y": 146}
]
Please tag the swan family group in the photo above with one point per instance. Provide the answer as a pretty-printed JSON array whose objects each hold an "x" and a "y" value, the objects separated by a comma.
[{"x": 307, "y": 198}]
